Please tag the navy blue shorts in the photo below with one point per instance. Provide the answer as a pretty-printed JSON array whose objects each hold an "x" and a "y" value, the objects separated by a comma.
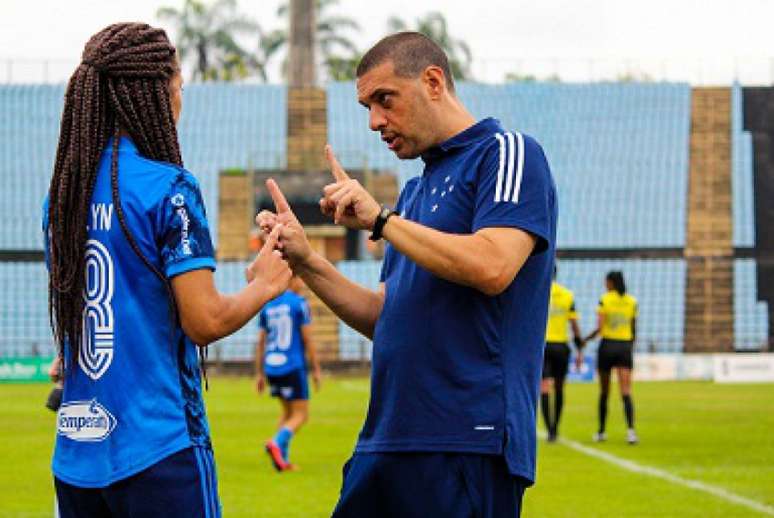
[
  {"x": 419, "y": 485},
  {"x": 183, "y": 484},
  {"x": 291, "y": 386}
]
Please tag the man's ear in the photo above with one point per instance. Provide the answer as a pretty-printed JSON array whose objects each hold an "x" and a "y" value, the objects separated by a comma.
[{"x": 435, "y": 81}]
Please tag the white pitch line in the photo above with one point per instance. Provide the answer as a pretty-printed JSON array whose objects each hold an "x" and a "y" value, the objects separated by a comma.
[{"x": 669, "y": 477}]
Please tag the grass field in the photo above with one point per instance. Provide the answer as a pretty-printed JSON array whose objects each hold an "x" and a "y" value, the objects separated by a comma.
[{"x": 718, "y": 435}]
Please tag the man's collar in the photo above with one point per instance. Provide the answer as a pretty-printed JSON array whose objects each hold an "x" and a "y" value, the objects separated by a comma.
[{"x": 482, "y": 129}]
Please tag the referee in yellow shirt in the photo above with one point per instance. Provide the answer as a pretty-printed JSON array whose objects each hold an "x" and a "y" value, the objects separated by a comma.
[
  {"x": 561, "y": 312},
  {"x": 617, "y": 314}
]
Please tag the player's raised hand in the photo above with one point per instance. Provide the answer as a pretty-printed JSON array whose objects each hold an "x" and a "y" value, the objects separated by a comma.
[
  {"x": 346, "y": 200},
  {"x": 269, "y": 268},
  {"x": 292, "y": 240},
  {"x": 266, "y": 220}
]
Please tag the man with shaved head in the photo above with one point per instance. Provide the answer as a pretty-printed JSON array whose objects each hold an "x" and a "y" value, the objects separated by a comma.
[{"x": 459, "y": 320}]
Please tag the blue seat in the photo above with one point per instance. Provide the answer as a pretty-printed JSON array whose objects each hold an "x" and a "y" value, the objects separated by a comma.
[
  {"x": 619, "y": 153},
  {"x": 751, "y": 318},
  {"x": 743, "y": 201}
]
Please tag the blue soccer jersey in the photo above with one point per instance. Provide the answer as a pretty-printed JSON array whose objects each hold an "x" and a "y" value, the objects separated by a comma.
[
  {"x": 282, "y": 320},
  {"x": 455, "y": 369},
  {"x": 133, "y": 395}
]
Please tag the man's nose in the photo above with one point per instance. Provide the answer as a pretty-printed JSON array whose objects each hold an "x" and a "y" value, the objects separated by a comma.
[{"x": 376, "y": 119}]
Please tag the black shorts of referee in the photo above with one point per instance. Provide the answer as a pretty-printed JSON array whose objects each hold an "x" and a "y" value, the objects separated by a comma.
[
  {"x": 556, "y": 360},
  {"x": 614, "y": 353}
]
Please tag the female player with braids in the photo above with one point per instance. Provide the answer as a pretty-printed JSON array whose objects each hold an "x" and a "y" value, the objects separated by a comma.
[{"x": 132, "y": 297}]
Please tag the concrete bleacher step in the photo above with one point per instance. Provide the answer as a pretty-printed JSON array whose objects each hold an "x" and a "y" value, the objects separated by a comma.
[
  {"x": 307, "y": 129},
  {"x": 235, "y": 207}
]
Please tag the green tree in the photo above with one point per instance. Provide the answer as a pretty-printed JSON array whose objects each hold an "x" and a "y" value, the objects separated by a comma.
[
  {"x": 342, "y": 69},
  {"x": 634, "y": 76},
  {"x": 434, "y": 26},
  {"x": 338, "y": 54},
  {"x": 206, "y": 38},
  {"x": 516, "y": 77}
]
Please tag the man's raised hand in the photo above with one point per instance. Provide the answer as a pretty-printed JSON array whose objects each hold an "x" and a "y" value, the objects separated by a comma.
[
  {"x": 346, "y": 200},
  {"x": 339, "y": 174},
  {"x": 292, "y": 240}
]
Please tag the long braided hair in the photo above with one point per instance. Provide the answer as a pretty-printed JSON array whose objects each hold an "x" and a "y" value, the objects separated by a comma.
[{"x": 120, "y": 87}]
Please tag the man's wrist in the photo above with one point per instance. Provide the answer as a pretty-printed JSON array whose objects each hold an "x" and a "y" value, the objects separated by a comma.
[
  {"x": 377, "y": 227},
  {"x": 307, "y": 266},
  {"x": 374, "y": 217},
  {"x": 304, "y": 261}
]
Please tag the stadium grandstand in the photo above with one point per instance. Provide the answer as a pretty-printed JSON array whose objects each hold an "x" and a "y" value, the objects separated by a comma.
[
  {"x": 664, "y": 172},
  {"x": 661, "y": 180}
]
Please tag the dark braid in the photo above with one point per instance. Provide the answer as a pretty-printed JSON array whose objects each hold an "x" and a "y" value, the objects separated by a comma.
[{"x": 121, "y": 86}]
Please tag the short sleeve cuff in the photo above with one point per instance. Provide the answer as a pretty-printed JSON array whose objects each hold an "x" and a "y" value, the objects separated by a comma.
[
  {"x": 541, "y": 245},
  {"x": 188, "y": 265}
]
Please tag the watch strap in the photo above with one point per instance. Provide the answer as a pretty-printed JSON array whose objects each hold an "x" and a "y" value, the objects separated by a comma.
[{"x": 380, "y": 221}]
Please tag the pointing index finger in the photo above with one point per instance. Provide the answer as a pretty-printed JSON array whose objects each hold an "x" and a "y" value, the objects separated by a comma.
[
  {"x": 271, "y": 240},
  {"x": 280, "y": 203},
  {"x": 338, "y": 172}
]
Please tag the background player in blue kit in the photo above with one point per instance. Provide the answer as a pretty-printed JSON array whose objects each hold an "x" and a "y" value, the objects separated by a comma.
[
  {"x": 131, "y": 289},
  {"x": 458, "y": 325},
  {"x": 284, "y": 338}
]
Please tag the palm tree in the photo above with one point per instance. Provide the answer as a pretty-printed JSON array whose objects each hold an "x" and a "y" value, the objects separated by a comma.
[
  {"x": 342, "y": 69},
  {"x": 339, "y": 54},
  {"x": 434, "y": 26},
  {"x": 206, "y": 38}
]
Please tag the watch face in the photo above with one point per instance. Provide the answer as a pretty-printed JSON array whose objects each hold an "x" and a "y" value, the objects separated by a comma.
[{"x": 385, "y": 212}]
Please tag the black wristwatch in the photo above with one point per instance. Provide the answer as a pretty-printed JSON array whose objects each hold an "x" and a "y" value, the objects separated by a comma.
[{"x": 381, "y": 220}]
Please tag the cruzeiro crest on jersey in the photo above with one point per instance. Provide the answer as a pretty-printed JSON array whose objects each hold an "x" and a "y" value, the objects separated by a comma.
[{"x": 96, "y": 351}]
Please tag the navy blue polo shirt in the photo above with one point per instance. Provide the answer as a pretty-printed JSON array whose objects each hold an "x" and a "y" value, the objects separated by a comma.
[{"x": 454, "y": 369}]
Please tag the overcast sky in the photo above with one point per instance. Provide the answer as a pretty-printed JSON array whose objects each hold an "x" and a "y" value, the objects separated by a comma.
[{"x": 703, "y": 41}]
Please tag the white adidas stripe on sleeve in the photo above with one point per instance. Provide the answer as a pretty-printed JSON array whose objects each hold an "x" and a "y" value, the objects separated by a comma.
[
  {"x": 498, "y": 185},
  {"x": 509, "y": 175},
  {"x": 519, "y": 169},
  {"x": 507, "y": 187}
]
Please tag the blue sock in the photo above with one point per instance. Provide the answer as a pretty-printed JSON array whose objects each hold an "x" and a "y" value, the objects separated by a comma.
[{"x": 282, "y": 438}]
